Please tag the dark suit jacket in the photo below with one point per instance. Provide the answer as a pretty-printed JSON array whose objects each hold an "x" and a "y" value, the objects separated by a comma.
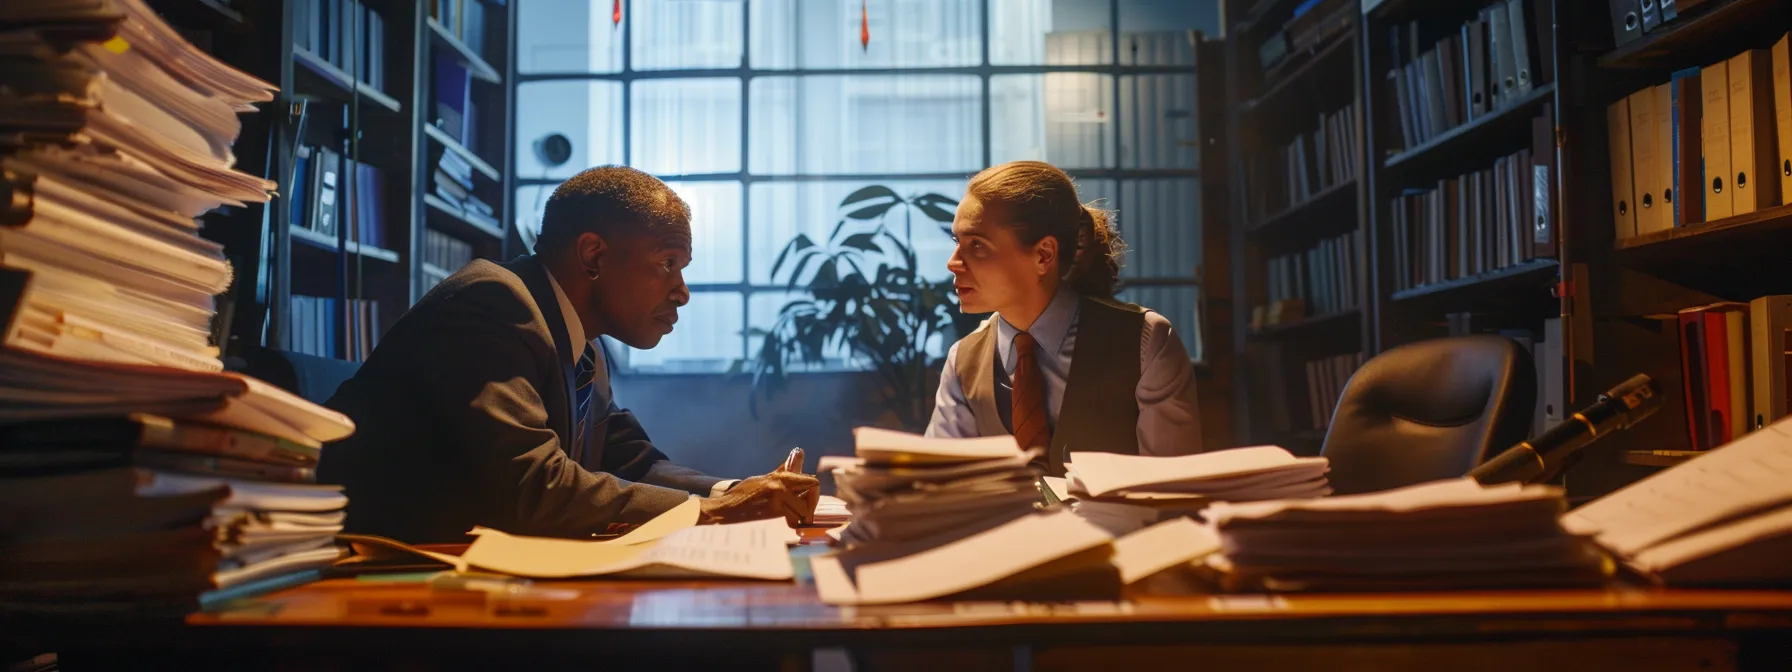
[{"x": 464, "y": 417}]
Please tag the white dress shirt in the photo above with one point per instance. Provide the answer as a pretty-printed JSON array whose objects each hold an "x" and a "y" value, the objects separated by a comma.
[
  {"x": 600, "y": 376},
  {"x": 1169, "y": 417}
]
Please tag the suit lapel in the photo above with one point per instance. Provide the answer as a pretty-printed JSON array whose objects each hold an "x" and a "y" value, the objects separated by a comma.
[{"x": 535, "y": 277}]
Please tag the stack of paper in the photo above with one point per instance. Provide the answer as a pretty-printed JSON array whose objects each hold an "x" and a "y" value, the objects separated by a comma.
[
  {"x": 1122, "y": 493},
  {"x": 832, "y": 512},
  {"x": 906, "y": 488},
  {"x": 115, "y": 134},
  {"x": 1441, "y": 535},
  {"x": 1723, "y": 518}
]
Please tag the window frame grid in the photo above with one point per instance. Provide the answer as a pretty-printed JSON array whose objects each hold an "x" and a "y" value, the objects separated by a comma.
[{"x": 984, "y": 71}]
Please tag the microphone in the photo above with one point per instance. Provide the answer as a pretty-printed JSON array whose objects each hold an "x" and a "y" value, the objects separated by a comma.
[{"x": 1555, "y": 449}]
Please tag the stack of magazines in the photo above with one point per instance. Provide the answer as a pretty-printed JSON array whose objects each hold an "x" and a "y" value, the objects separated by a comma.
[{"x": 136, "y": 475}]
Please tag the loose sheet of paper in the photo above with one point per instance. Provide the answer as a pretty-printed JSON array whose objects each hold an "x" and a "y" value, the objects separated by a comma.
[
  {"x": 1749, "y": 474},
  {"x": 1162, "y": 546},
  {"x": 968, "y": 563},
  {"x": 1455, "y": 492},
  {"x": 883, "y": 445},
  {"x": 757, "y": 550}
]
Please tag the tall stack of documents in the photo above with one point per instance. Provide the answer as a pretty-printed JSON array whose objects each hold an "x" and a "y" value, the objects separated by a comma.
[
  {"x": 1122, "y": 493},
  {"x": 135, "y": 474},
  {"x": 905, "y": 488},
  {"x": 1440, "y": 535}
]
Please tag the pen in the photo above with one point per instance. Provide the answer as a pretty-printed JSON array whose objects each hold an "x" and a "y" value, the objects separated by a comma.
[{"x": 793, "y": 462}]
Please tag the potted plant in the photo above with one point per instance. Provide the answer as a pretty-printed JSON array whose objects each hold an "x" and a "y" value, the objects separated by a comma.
[{"x": 866, "y": 300}]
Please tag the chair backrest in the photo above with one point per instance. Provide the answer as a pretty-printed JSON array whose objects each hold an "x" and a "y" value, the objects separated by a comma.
[
  {"x": 311, "y": 377},
  {"x": 1429, "y": 410}
]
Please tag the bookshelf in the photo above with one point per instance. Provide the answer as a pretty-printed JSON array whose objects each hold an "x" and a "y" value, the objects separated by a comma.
[
  {"x": 1296, "y": 165},
  {"x": 1594, "y": 304},
  {"x": 362, "y": 88}
]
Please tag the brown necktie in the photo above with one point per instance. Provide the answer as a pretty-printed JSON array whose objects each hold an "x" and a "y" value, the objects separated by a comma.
[{"x": 1032, "y": 425}]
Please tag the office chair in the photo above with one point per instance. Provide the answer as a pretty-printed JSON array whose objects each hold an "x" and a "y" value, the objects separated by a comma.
[
  {"x": 1428, "y": 411},
  {"x": 311, "y": 377}
]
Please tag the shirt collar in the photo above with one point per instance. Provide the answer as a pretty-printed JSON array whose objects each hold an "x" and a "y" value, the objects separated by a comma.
[
  {"x": 575, "y": 330},
  {"x": 1048, "y": 329}
]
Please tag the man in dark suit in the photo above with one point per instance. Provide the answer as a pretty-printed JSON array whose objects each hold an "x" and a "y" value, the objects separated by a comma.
[{"x": 486, "y": 403}]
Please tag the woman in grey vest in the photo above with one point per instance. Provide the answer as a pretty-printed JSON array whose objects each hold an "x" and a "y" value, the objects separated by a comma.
[{"x": 1061, "y": 365}]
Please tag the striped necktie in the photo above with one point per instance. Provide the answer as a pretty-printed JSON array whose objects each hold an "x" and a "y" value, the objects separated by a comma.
[
  {"x": 1032, "y": 425},
  {"x": 583, "y": 378}
]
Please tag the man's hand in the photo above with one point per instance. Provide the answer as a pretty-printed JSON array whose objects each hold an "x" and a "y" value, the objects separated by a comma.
[{"x": 783, "y": 494}]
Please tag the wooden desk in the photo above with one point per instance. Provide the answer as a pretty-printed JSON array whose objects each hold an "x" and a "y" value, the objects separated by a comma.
[{"x": 742, "y": 625}]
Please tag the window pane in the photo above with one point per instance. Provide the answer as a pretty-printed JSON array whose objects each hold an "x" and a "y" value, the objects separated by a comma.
[
  {"x": 781, "y": 210},
  {"x": 763, "y": 308},
  {"x": 1180, "y": 304},
  {"x": 847, "y": 124},
  {"x": 1181, "y": 16},
  {"x": 715, "y": 230},
  {"x": 1065, "y": 118},
  {"x": 1157, "y": 122},
  {"x": 685, "y": 126},
  {"x": 588, "y": 113},
  {"x": 904, "y": 33},
  {"x": 1050, "y": 32},
  {"x": 567, "y": 36},
  {"x": 1160, "y": 220},
  {"x": 706, "y": 339},
  {"x": 672, "y": 34}
]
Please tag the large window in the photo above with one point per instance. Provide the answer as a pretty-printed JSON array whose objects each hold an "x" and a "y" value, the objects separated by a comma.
[{"x": 765, "y": 114}]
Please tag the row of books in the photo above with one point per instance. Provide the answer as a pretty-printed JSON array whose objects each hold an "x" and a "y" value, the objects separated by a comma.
[
  {"x": 347, "y": 34},
  {"x": 467, "y": 20},
  {"x": 1477, "y": 69},
  {"x": 442, "y": 256},
  {"x": 1478, "y": 222},
  {"x": 1707, "y": 144},
  {"x": 137, "y": 479},
  {"x": 1631, "y": 19},
  {"x": 323, "y": 200},
  {"x": 1311, "y": 24},
  {"x": 453, "y": 182},
  {"x": 1734, "y": 361},
  {"x": 1310, "y": 163},
  {"x": 1323, "y": 278},
  {"x": 330, "y": 327},
  {"x": 1325, "y": 384}
]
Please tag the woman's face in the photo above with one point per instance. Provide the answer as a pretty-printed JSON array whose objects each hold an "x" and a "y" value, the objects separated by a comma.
[{"x": 991, "y": 269}]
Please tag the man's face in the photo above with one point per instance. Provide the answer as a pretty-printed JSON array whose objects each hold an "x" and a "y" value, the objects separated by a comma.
[
  {"x": 643, "y": 285},
  {"x": 990, "y": 268}
]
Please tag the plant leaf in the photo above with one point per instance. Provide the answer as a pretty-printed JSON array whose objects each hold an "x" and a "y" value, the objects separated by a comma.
[
  {"x": 872, "y": 211},
  {"x": 801, "y": 265},
  {"x": 868, "y": 193},
  {"x": 862, "y": 241},
  {"x": 801, "y": 242},
  {"x": 932, "y": 205}
]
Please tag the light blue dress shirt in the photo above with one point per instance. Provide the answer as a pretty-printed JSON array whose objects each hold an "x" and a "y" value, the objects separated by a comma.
[{"x": 1169, "y": 417}]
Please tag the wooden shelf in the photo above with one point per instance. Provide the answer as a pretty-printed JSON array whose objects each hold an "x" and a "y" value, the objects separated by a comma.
[
  {"x": 434, "y": 270},
  {"x": 1259, "y": 19},
  {"x": 1316, "y": 63},
  {"x": 1496, "y": 281},
  {"x": 1724, "y": 257},
  {"x": 209, "y": 13},
  {"x": 475, "y": 63},
  {"x": 1280, "y": 223},
  {"x": 449, "y": 143},
  {"x": 1309, "y": 324},
  {"x": 1477, "y": 139},
  {"x": 328, "y": 80},
  {"x": 450, "y": 219},
  {"x": 328, "y": 244},
  {"x": 1660, "y": 458},
  {"x": 1718, "y": 33}
]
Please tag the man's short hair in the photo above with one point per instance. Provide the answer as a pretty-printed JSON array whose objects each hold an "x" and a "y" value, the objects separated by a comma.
[{"x": 611, "y": 199}]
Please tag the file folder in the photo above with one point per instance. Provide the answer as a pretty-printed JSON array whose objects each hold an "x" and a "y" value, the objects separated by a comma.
[
  {"x": 1644, "y": 164},
  {"x": 1715, "y": 140},
  {"x": 1782, "y": 111},
  {"x": 1753, "y": 142},
  {"x": 1617, "y": 124}
]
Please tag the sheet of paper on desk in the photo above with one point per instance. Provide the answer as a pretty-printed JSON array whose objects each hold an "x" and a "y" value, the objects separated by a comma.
[
  {"x": 1104, "y": 473},
  {"x": 679, "y": 517},
  {"x": 1162, "y": 546},
  {"x": 1750, "y": 474},
  {"x": 755, "y": 550},
  {"x": 1447, "y": 494},
  {"x": 888, "y": 446},
  {"x": 956, "y": 567}
]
